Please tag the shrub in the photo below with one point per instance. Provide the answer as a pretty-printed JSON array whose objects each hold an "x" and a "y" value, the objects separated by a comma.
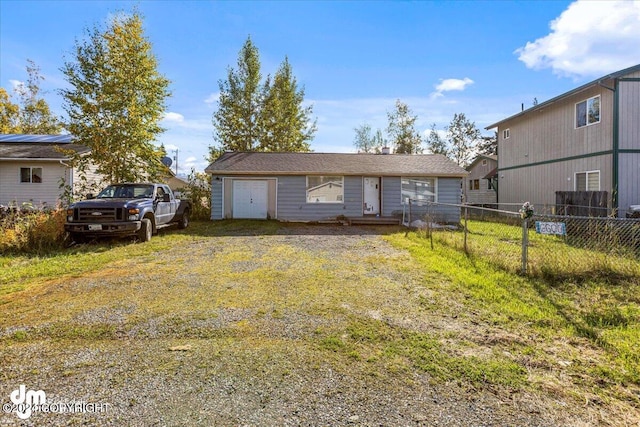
[
  {"x": 31, "y": 230},
  {"x": 198, "y": 191}
]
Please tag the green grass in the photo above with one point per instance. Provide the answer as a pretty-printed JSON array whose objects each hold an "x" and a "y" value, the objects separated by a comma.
[
  {"x": 234, "y": 290},
  {"x": 604, "y": 312}
]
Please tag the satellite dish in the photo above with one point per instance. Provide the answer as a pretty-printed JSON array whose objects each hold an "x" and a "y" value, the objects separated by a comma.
[{"x": 166, "y": 161}]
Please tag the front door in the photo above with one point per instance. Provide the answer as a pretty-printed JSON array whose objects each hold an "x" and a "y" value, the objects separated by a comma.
[
  {"x": 250, "y": 199},
  {"x": 371, "y": 196}
]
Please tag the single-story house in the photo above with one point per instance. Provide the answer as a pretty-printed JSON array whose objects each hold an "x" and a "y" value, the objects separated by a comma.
[
  {"x": 325, "y": 186},
  {"x": 34, "y": 168},
  {"x": 482, "y": 181},
  {"x": 585, "y": 141}
]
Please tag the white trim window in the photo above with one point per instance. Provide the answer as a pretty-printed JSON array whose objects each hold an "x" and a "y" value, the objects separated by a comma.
[
  {"x": 587, "y": 181},
  {"x": 506, "y": 134},
  {"x": 419, "y": 188},
  {"x": 588, "y": 112},
  {"x": 325, "y": 189},
  {"x": 31, "y": 175}
]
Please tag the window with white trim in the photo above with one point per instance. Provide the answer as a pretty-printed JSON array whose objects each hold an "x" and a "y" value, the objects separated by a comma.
[
  {"x": 506, "y": 133},
  {"x": 325, "y": 189},
  {"x": 588, "y": 181},
  {"x": 31, "y": 175},
  {"x": 419, "y": 188},
  {"x": 588, "y": 112}
]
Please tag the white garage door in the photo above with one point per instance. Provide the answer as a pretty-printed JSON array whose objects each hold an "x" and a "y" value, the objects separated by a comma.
[{"x": 250, "y": 199}]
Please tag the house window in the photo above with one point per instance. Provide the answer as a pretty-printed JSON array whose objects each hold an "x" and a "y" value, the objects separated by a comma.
[
  {"x": 484, "y": 162},
  {"x": 31, "y": 175},
  {"x": 588, "y": 112},
  {"x": 325, "y": 189},
  {"x": 476, "y": 184},
  {"x": 419, "y": 188},
  {"x": 506, "y": 133},
  {"x": 588, "y": 181}
]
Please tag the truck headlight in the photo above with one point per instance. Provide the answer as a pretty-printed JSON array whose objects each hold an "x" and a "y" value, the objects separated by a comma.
[{"x": 133, "y": 214}]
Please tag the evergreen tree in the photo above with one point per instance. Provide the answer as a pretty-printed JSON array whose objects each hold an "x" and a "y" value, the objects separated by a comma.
[
  {"x": 401, "y": 130},
  {"x": 116, "y": 101},
  {"x": 236, "y": 121},
  {"x": 285, "y": 125}
]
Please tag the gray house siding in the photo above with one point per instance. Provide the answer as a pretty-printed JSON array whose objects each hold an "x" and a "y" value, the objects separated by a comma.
[
  {"x": 629, "y": 143},
  {"x": 216, "y": 199},
  {"x": 292, "y": 204},
  {"x": 448, "y": 192},
  {"x": 629, "y": 184}
]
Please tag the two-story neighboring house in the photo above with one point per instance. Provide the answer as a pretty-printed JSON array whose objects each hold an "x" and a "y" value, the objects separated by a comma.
[
  {"x": 481, "y": 184},
  {"x": 587, "y": 139}
]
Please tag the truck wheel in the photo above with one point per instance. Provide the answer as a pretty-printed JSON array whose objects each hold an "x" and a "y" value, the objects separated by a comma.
[
  {"x": 146, "y": 230},
  {"x": 184, "y": 221}
]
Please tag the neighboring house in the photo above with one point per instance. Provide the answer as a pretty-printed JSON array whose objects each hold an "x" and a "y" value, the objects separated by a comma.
[
  {"x": 587, "y": 139},
  {"x": 326, "y": 186},
  {"x": 481, "y": 184},
  {"x": 176, "y": 183},
  {"x": 34, "y": 169}
]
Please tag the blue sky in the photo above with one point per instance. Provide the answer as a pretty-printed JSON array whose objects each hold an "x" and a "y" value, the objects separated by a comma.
[{"x": 354, "y": 59}]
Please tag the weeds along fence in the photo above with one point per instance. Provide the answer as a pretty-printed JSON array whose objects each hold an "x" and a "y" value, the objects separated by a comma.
[{"x": 541, "y": 245}]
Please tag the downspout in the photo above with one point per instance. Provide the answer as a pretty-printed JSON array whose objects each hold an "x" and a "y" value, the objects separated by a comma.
[{"x": 616, "y": 150}]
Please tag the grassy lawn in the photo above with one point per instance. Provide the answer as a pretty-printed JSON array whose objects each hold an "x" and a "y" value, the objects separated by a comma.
[{"x": 320, "y": 319}]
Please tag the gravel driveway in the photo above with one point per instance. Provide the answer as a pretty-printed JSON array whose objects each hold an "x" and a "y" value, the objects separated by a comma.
[{"x": 236, "y": 330}]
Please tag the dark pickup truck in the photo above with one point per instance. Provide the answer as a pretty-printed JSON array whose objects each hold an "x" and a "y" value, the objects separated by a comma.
[{"x": 127, "y": 209}]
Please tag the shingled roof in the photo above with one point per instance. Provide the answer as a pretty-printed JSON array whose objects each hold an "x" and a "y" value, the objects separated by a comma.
[
  {"x": 38, "y": 147},
  {"x": 259, "y": 163}
]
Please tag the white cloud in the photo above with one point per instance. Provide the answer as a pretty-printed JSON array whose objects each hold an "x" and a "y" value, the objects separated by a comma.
[
  {"x": 16, "y": 84},
  {"x": 174, "y": 117},
  {"x": 447, "y": 85},
  {"x": 590, "y": 38},
  {"x": 213, "y": 98}
]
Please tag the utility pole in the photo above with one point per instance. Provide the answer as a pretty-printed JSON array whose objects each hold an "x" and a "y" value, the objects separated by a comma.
[{"x": 175, "y": 157}]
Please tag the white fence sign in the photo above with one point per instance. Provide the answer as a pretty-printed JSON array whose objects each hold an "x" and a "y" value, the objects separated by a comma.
[{"x": 551, "y": 228}]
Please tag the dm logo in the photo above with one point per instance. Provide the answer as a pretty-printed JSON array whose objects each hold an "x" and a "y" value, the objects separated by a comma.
[{"x": 25, "y": 400}]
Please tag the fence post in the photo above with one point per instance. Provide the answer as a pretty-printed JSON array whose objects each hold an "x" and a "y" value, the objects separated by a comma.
[
  {"x": 525, "y": 244},
  {"x": 466, "y": 215}
]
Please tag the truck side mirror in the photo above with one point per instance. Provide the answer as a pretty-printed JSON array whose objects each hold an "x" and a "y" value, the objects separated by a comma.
[
  {"x": 166, "y": 198},
  {"x": 90, "y": 196}
]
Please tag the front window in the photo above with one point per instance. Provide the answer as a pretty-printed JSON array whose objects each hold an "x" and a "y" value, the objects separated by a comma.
[
  {"x": 506, "y": 133},
  {"x": 588, "y": 112},
  {"x": 31, "y": 175},
  {"x": 127, "y": 191},
  {"x": 418, "y": 188},
  {"x": 325, "y": 189},
  {"x": 588, "y": 181}
]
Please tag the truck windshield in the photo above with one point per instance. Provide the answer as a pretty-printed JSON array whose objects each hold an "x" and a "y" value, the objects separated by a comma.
[{"x": 127, "y": 191}]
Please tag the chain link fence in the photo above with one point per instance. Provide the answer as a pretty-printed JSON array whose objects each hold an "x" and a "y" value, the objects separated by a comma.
[{"x": 541, "y": 245}]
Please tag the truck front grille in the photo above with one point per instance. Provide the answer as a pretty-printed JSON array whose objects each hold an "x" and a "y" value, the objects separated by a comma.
[{"x": 98, "y": 214}]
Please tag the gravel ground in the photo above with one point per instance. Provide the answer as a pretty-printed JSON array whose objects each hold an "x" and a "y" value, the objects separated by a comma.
[{"x": 237, "y": 364}]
